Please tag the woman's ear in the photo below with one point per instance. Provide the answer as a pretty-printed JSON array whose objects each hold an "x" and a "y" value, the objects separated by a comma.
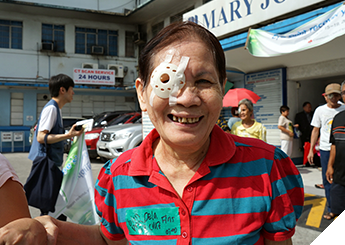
[{"x": 139, "y": 85}]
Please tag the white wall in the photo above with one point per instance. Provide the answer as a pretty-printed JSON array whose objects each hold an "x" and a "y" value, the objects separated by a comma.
[
  {"x": 30, "y": 62},
  {"x": 117, "y": 6}
]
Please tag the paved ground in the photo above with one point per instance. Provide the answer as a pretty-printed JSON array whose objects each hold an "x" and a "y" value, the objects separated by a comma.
[
  {"x": 309, "y": 226},
  {"x": 22, "y": 165},
  {"x": 306, "y": 233}
]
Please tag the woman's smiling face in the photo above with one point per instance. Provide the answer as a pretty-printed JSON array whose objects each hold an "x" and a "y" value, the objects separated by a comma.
[
  {"x": 244, "y": 112},
  {"x": 190, "y": 121}
]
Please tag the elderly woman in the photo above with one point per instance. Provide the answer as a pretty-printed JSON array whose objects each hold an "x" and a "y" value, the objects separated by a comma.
[
  {"x": 189, "y": 182},
  {"x": 248, "y": 127}
]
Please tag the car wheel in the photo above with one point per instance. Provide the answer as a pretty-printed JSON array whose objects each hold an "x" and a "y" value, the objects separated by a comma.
[{"x": 103, "y": 159}]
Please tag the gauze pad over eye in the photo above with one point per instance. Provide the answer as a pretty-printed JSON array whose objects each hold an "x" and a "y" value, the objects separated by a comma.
[{"x": 167, "y": 79}]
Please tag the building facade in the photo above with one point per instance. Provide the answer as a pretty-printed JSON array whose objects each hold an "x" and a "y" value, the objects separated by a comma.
[
  {"x": 290, "y": 79},
  {"x": 39, "y": 40},
  {"x": 42, "y": 38}
]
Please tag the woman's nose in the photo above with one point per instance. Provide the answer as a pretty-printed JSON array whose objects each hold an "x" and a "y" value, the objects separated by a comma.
[{"x": 188, "y": 96}]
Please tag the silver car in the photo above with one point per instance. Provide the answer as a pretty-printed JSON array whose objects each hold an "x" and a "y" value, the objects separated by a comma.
[{"x": 115, "y": 140}]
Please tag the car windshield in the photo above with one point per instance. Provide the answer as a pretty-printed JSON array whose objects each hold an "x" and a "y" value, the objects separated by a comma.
[
  {"x": 119, "y": 119},
  {"x": 98, "y": 119},
  {"x": 138, "y": 120}
]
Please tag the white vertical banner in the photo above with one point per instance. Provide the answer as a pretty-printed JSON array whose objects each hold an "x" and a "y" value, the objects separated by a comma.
[{"x": 76, "y": 197}]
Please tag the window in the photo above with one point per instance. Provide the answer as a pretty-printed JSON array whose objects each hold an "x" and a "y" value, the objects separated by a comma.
[
  {"x": 11, "y": 34},
  {"x": 156, "y": 28},
  {"x": 129, "y": 44},
  {"x": 54, "y": 34},
  {"x": 88, "y": 41},
  {"x": 17, "y": 105},
  {"x": 179, "y": 17}
]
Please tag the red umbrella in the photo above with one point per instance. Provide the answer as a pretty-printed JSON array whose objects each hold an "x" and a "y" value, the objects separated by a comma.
[{"x": 233, "y": 96}]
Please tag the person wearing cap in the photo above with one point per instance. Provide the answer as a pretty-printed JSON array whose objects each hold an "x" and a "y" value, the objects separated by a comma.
[
  {"x": 335, "y": 173},
  {"x": 322, "y": 122}
]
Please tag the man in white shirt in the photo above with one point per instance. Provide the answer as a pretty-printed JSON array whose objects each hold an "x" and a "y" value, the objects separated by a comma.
[
  {"x": 50, "y": 123},
  {"x": 322, "y": 123}
]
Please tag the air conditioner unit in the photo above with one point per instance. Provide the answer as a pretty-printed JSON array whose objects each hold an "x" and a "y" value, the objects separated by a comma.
[
  {"x": 97, "y": 50},
  {"x": 90, "y": 66},
  {"x": 47, "y": 46},
  {"x": 138, "y": 38},
  {"x": 118, "y": 70}
]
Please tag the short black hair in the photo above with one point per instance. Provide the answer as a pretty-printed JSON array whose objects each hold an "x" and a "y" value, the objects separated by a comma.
[
  {"x": 284, "y": 108},
  {"x": 58, "y": 81},
  {"x": 306, "y": 103},
  {"x": 234, "y": 111}
]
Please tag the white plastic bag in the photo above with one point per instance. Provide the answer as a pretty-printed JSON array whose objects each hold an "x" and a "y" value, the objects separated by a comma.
[{"x": 76, "y": 197}]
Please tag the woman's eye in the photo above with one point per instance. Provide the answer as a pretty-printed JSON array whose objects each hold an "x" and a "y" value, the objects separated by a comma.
[{"x": 203, "y": 81}]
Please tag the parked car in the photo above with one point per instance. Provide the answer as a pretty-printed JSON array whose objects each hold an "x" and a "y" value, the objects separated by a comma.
[
  {"x": 102, "y": 119},
  {"x": 115, "y": 140},
  {"x": 67, "y": 122},
  {"x": 91, "y": 137}
]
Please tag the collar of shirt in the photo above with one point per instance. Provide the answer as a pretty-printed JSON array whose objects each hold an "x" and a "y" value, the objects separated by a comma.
[{"x": 222, "y": 148}]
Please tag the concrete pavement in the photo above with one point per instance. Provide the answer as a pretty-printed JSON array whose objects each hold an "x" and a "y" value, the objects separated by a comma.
[
  {"x": 311, "y": 176},
  {"x": 22, "y": 165},
  {"x": 305, "y": 234}
]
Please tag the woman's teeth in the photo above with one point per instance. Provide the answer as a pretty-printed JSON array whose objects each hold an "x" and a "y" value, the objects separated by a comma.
[{"x": 185, "y": 120}]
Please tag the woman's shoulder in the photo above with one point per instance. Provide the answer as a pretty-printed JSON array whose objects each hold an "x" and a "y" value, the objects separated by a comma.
[
  {"x": 6, "y": 171},
  {"x": 257, "y": 124},
  {"x": 124, "y": 159},
  {"x": 237, "y": 124}
]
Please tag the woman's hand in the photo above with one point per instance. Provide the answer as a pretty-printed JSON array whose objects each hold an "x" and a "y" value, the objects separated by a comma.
[
  {"x": 25, "y": 231},
  {"x": 51, "y": 228}
]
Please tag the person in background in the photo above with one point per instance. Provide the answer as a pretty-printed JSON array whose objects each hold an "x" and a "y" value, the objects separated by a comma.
[
  {"x": 335, "y": 173},
  {"x": 303, "y": 120},
  {"x": 14, "y": 211},
  {"x": 50, "y": 122},
  {"x": 248, "y": 127},
  {"x": 189, "y": 181},
  {"x": 234, "y": 118},
  {"x": 322, "y": 122},
  {"x": 286, "y": 130}
]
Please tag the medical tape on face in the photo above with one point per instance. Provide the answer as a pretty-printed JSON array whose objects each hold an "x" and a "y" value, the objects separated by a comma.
[
  {"x": 179, "y": 77},
  {"x": 167, "y": 79}
]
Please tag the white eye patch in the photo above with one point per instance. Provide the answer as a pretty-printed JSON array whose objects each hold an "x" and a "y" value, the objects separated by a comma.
[
  {"x": 164, "y": 80},
  {"x": 167, "y": 79}
]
